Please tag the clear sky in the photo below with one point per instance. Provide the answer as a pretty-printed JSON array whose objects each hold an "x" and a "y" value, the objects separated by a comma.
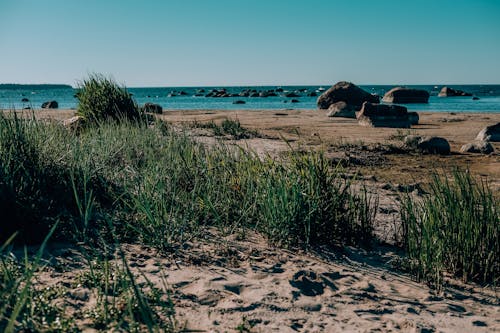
[{"x": 250, "y": 42}]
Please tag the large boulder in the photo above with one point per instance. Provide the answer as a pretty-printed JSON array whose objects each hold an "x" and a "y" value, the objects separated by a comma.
[
  {"x": 414, "y": 118},
  {"x": 345, "y": 92},
  {"x": 450, "y": 92},
  {"x": 153, "y": 108},
  {"x": 50, "y": 105},
  {"x": 490, "y": 133},
  {"x": 406, "y": 95},
  {"x": 477, "y": 147},
  {"x": 383, "y": 115},
  {"x": 341, "y": 109}
]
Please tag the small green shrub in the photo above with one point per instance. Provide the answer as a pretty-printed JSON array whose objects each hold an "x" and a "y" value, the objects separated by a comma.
[
  {"x": 455, "y": 229},
  {"x": 101, "y": 98}
]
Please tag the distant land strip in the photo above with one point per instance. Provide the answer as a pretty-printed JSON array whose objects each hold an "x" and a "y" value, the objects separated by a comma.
[{"x": 34, "y": 86}]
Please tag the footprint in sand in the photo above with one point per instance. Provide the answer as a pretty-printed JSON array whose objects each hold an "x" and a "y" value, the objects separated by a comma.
[{"x": 308, "y": 283}]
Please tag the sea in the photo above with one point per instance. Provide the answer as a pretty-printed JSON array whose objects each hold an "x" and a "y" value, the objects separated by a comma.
[{"x": 303, "y": 97}]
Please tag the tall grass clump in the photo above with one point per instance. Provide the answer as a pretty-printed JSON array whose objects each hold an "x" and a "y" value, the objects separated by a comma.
[
  {"x": 455, "y": 229},
  {"x": 101, "y": 98}
]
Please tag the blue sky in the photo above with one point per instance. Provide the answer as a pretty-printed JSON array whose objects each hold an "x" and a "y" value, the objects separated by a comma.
[{"x": 250, "y": 42}]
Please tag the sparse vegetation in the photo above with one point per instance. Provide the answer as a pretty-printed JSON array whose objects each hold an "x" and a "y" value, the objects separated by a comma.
[{"x": 455, "y": 229}]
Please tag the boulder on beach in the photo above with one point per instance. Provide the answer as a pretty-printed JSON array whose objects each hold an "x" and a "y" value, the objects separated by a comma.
[
  {"x": 153, "y": 108},
  {"x": 477, "y": 147},
  {"x": 345, "y": 92},
  {"x": 406, "y": 95},
  {"x": 382, "y": 115},
  {"x": 341, "y": 109},
  {"x": 428, "y": 144},
  {"x": 414, "y": 118},
  {"x": 50, "y": 105},
  {"x": 450, "y": 92},
  {"x": 490, "y": 133}
]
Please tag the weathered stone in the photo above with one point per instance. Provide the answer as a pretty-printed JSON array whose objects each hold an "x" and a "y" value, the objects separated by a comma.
[
  {"x": 490, "y": 133},
  {"x": 50, "y": 105},
  {"x": 406, "y": 95},
  {"x": 239, "y": 102},
  {"x": 477, "y": 147},
  {"x": 341, "y": 109},
  {"x": 74, "y": 123},
  {"x": 450, "y": 92},
  {"x": 414, "y": 118},
  {"x": 382, "y": 115},
  {"x": 153, "y": 108},
  {"x": 434, "y": 145},
  {"x": 345, "y": 92}
]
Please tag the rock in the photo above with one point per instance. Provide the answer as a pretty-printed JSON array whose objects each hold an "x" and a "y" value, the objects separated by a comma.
[
  {"x": 475, "y": 98},
  {"x": 74, "y": 123},
  {"x": 24, "y": 100},
  {"x": 312, "y": 94},
  {"x": 345, "y": 92},
  {"x": 411, "y": 141},
  {"x": 292, "y": 94},
  {"x": 414, "y": 118},
  {"x": 239, "y": 102},
  {"x": 406, "y": 95},
  {"x": 382, "y": 115},
  {"x": 490, "y": 133},
  {"x": 450, "y": 92},
  {"x": 294, "y": 101},
  {"x": 434, "y": 145},
  {"x": 341, "y": 109},
  {"x": 477, "y": 147},
  {"x": 153, "y": 108},
  {"x": 50, "y": 105}
]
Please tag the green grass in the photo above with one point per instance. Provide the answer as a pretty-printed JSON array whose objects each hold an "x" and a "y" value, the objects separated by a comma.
[
  {"x": 228, "y": 127},
  {"x": 101, "y": 98},
  {"x": 455, "y": 230}
]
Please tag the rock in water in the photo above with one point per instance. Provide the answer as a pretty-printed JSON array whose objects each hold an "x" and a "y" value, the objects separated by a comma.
[
  {"x": 239, "y": 102},
  {"x": 153, "y": 108},
  {"x": 450, "y": 92},
  {"x": 345, "y": 92},
  {"x": 382, "y": 115},
  {"x": 50, "y": 105},
  {"x": 406, "y": 95},
  {"x": 490, "y": 133},
  {"x": 478, "y": 147}
]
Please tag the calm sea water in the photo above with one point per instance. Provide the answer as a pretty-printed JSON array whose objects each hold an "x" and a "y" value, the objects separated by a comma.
[{"x": 489, "y": 98}]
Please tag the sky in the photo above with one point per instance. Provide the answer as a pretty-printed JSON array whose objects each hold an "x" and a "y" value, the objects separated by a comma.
[{"x": 250, "y": 42}]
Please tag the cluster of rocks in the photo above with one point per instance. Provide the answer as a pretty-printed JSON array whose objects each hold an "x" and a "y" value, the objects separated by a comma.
[
  {"x": 223, "y": 93},
  {"x": 345, "y": 99},
  {"x": 450, "y": 92},
  {"x": 482, "y": 143}
]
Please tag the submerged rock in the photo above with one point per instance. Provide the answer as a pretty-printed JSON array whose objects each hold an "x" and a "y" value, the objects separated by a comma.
[{"x": 50, "y": 105}]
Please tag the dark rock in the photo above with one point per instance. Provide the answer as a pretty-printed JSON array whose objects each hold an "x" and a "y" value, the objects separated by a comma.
[
  {"x": 24, "y": 100},
  {"x": 254, "y": 94},
  {"x": 294, "y": 101},
  {"x": 239, "y": 102},
  {"x": 406, "y": 95},
  {"x": 50, "y": 105},
  {"x": 434, "y": 145},
  {"x": 312, "y": 94},
  {"x": 450, "y": 92},
  {"x": 490, "y": 133},
  {"x": 414, "y": 118},
  {"x": 345, "y": 92},
  {"x": 475, "y": 98},
  {"x": 153, "y": 108},
  {"x": 382, "y": 115},
  {"x": 292, "y": 94},
  {"x": 477, "y": 147},
  {"x": 341, "y": 109}
]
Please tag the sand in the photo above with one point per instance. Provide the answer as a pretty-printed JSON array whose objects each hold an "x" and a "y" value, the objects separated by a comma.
[{"x": 219, "y": 283}]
